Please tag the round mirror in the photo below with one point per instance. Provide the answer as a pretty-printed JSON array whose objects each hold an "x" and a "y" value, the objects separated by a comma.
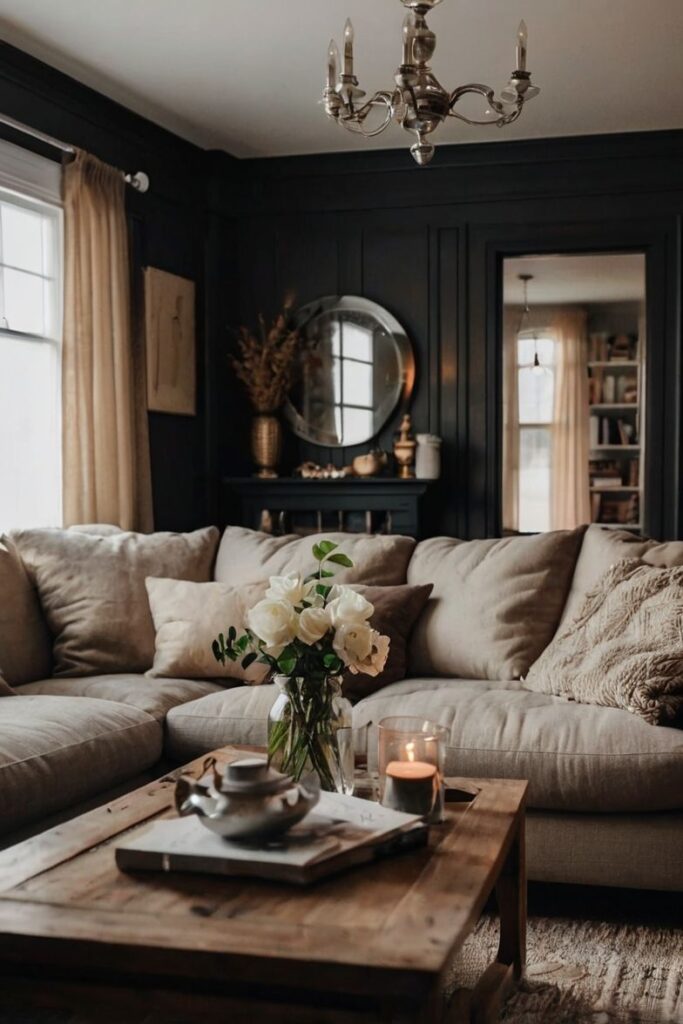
[{"x": 356, "y": 364}]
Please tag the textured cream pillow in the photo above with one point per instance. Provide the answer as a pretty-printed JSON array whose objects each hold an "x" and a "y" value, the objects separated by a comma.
[
  {"x": 601, "y": 549},
  {"x": 246, "y": 556},
  {"x": 188, "y": 617},
  {"x": 624, "y": 649},
  {"x": 495, "y": 604},
  {"x": 92, "y": 589}
]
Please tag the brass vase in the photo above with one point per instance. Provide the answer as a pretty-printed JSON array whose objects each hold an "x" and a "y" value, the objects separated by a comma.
[{"x": 266, "y": 444}]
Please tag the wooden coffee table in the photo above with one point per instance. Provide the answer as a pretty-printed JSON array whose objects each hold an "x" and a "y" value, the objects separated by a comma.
[{"x": 374, "y": 944}]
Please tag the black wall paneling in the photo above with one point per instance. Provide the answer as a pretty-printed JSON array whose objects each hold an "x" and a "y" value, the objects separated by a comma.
[
  {"x": 429, "y": 246},
  {"x": 426, "y": 243}
]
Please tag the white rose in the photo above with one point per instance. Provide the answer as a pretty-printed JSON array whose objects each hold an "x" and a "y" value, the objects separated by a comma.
[
  {"x": 353, "y": 642},
  {"x": 273, "y": 622},
  {"x": 287, "y": 588},
  {"x": 373, "y": 665},
  {"x": 348, "y": 606},
  {"x": 313, "y": 624}
]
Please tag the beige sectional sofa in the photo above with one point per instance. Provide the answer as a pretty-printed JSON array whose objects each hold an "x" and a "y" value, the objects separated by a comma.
[{"x": 606, "y": 788}]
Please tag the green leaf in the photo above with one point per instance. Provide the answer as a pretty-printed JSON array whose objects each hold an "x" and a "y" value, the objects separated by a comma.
[
  {"x": 326, "y": 546},
  {"x": 325, "y": 574},
  {"x": 318, "y": 553},
  {"x": 249, "y": 659},
  {"x": 232, "y": 634},
  {"x": 217, "y": 652},
  {"x": 287, "y": 661},
  {"x": 323, "y": 589},
  {"x": 332, "y": 662},
  {"x": 340, "y": 559}
]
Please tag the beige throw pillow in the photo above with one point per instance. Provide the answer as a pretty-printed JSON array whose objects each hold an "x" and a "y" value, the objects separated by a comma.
[
  {"x": 624, "y": 649},
  {"x": 601, "y": 549},
  {"x": 25, "y": 641},
  {"x": 495, "y": 604},
  {"x": 247, "y": 556},
  {"x": 188, "y": 617},
  {"x": 92, "y": 589}
]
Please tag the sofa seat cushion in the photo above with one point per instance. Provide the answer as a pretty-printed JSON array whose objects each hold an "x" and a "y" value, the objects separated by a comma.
[
  {"x": 577, "y": 757},
  {"x": 56, "y": 751},
  {"x": 247, "y": 556},
  {"x": 237, "y": 716},
  {"x": 156, "y": 697},
  {"x": 495, "y": 604}
]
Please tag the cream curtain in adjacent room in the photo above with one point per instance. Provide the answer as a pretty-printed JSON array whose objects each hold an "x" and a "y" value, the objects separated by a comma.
[
  {"x": 570, "y": 497},
  {"x": 510, "y": 421},
  {"x": 106, "y": 465}
]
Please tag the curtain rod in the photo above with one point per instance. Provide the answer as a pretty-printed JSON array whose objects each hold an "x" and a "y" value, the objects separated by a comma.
[{"x": 139, "y": 181}]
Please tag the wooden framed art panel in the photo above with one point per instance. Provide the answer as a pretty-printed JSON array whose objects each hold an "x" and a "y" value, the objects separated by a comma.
[{"x": 170, "y": 343}]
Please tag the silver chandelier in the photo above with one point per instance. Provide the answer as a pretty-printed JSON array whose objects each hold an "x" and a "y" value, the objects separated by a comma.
[{"x": 419, "y": 103}]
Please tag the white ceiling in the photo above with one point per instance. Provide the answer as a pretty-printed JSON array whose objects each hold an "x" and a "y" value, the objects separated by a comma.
[
  {"x": 245, "y": 75},
  {"x": 611, "y": 277}
]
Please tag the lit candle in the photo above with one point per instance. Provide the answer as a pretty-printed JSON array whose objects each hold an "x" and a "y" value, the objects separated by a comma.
[
  {"x": 521, "y": 46},
  {"x": 411, "y": 786},
  {"x": 332, "y": 65},
  {"x": 348, "y": 47}
]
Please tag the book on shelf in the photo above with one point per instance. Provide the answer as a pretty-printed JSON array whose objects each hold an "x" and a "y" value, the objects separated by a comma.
[
  {"x": 340, "y": 832},
  {"x": 604, "y": 347},
  {"x": 622, "y": 510}
]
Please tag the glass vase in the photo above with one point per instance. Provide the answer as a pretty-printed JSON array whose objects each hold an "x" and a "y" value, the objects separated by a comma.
[{"x": 310, "y": 731}]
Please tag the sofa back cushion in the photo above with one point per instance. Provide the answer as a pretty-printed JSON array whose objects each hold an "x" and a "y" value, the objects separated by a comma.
[
  {"x": 495, "y": 604},
  {"x": 92, "y": 589},
  {"x": 601, "y": 549},
  {"x": 25, "y": 641},
  {"x": 247, "y": 556}
]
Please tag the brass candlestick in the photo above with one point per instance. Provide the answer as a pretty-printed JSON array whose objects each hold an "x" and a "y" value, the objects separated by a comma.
[{"x": 404, "y": 449}]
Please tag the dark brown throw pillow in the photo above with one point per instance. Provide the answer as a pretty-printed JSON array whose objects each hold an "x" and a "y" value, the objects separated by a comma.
[{"x": 397, "y": 609}]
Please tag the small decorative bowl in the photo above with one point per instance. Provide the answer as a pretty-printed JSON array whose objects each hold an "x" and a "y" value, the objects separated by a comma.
[{"x": 248, "y": 802}]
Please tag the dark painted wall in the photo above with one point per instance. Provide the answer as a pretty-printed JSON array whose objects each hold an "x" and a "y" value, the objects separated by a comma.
[
  {"x": 168, "y": 231},
  {"x": 428, "y": 245}
]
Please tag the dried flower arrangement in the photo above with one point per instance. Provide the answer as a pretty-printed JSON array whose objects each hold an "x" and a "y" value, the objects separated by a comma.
[{"x": 267, "y": 360}]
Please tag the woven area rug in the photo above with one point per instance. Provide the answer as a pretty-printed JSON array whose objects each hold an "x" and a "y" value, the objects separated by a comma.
[
  {"x": 593, "y": 957},
  {"x": 588, "y": 972}
]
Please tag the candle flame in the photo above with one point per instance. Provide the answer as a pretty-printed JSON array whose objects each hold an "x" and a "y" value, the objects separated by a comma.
[{"x": 410, "y": 751}]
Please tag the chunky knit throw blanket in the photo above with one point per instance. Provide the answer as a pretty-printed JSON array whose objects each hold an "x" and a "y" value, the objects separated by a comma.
[{"x": 624, "y": 649}]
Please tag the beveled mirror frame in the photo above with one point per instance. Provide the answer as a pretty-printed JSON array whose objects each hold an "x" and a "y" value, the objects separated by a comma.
[{"x": 331, "y": 304}]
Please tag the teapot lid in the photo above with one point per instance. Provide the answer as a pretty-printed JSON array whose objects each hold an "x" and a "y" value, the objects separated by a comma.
[{"x": 252, "y": 777}]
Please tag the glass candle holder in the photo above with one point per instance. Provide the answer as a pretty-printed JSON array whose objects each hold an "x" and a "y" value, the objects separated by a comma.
[{"x": 411, "y": 761}]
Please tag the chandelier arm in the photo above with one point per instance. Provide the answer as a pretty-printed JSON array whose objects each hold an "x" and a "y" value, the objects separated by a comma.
[
  {"x": 500, "y": 121},
  {"x": 505, "y": 116},
  {"x": 353, "y": 120}
]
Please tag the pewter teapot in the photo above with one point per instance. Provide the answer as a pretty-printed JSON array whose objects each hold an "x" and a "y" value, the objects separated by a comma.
[{"x": 249, "y": 801}]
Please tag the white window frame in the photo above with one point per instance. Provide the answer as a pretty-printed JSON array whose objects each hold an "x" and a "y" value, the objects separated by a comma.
[
  {"x": 548, "y": 426},
  {"x": 33, "y": 183}
]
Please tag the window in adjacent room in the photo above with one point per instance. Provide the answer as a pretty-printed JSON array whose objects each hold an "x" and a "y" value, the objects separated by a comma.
[
  {"x": 30, "y": 339},
  {"x": 535, "y": 393}
]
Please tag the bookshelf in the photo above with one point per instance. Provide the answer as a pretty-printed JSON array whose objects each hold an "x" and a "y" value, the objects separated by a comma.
[{"x": 616, "y": 419}]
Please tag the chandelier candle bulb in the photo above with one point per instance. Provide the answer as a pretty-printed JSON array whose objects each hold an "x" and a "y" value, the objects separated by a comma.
[
  {"x": 522, "y": 37},
  {"x": 332, "y": 65},
  {"x": 348, "y": 47}
]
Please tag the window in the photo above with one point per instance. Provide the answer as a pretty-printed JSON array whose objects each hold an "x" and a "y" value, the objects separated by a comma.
[
  {"x": 30, "y": 340},
  {"x": 535, "y": 389},
  {"x": 353, "y": 369}
]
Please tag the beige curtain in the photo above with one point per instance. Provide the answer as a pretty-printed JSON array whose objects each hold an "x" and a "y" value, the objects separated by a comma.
[
  {"x": 106, "y": 465},
  {"x": 570, "y": 497},
  {"x": 510, "y": 421}
]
